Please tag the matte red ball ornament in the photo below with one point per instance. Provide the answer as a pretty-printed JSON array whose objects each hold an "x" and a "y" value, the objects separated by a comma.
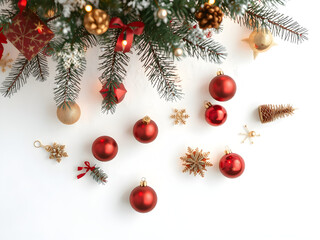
[
  {"x": 222, "y": 87},
  {"x": 145, "y": 130},
  {"x": 119, "y": 92},
  {"x": 143, "y": 198},
  {"x": 215, "y": 115},
  {"x": 104, "y": 148},
  {"x": 231, "y": 165}
]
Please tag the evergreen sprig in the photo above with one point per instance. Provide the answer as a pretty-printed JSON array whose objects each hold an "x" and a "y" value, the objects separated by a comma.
[
  {"x": 68, "y": 80},
  {"x": 20, "y": 71},
  {"x": 39, "y": 67},
  {"x": 280, "y": 25},
  {"x": 114, "y": 66},
  {"x": 99, "y": 175},
  {"x": 160, "y": 69}
]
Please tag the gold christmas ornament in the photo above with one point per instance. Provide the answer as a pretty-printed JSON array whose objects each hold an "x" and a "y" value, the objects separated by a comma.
[
  {"x": 69, "y": 113},
  {"x": 162, "y": 13},
  {"x": 96, "y": 22},
  {"x": 209, "y": 16},
  {"x": 178, "y": 52},
  {"x": 56, "y": 150},
  {"x": 249, "y": 135},
  {"x": 269, "y": 113},
  {"x": 260, "y": 40},
  {"x": 179, "y": 116}
]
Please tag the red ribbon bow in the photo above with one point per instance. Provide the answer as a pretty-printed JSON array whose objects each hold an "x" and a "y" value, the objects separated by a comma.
[
  {"x": 134, "y": 28},
  {"x": 3, "y": 39},
  {"x": 88, "y": 168}
]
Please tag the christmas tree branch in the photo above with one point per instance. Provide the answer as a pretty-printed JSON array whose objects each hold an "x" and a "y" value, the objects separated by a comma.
[
  {"x": 159, "y": 68},
  {"x": 18, "y": 75},
  {"x": 68, "y": 80},
  {"x": 39, "y": 67},
  {"x": 277, "y": 23},
  {"x": 114, "y": 69}
]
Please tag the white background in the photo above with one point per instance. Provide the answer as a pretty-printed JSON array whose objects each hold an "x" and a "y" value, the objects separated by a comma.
[{"x": 277, "y": 197}]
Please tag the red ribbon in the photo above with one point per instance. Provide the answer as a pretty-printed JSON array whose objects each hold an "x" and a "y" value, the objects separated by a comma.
[
  {"x": 134, "y": 28},
  {"x": 88, "y": 168},
  {"x": 22, "y": 5},
  {"x": 3, "y": 39}
]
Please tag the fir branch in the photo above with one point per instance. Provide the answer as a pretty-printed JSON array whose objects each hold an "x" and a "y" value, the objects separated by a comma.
[
  {"x": 68, "y": 81},
  {"x": 114, "y": 69},
  {"x": 279, "y": 24},
  {"x": 99, "y": 176},
  {"x": 197, "y": 45},
  {"x": 18, "y": 75},
  {"x": 39, "y": 67},
  {"x": 159, "y": 68},
  {"x": 273, "y": 3}
]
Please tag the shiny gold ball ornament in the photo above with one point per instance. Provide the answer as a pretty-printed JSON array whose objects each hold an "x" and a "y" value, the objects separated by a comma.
[
  {"x": 162, "y": 13},
  {"x": 178, "y": 52},
  {"x": 260, "y": 40},
  {"x": 96, "y": 22},
  {"x": 69, "y": 113}
]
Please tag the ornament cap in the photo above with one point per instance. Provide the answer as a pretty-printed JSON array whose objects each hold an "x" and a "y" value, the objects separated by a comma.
[
  {"x": 146, "y": 120},
  {"x": 220, "y": 72},
  {"x": 143, "y": 182},
  {"x": 207, "y": 105},
  {"x": 228, "y": 150}
]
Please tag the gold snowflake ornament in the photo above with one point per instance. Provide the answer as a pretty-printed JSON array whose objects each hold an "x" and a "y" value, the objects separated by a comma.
[
  {"x": 179, "y": 116},
  {"x": 195, "y": 162},
  {"x": 56, "y": 151}
]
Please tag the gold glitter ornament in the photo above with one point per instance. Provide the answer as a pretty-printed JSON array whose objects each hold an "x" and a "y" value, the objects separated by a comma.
[
  {"x": 260, "y": 40},
  {"x": 178, "y": 52},
  {"x": 69, "y": 113},
  {"x": 96, "y": 22},
  {"x": 56, "y": 150}
]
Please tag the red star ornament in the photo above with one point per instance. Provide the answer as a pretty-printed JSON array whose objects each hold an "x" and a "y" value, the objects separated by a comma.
[
  {"x": 24, "y": 37},
  {"x": 119, "y": 92}
]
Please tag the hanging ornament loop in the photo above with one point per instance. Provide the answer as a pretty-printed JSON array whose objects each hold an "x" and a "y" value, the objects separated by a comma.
[
  {"x": 38, "y": 144},
  {"x": 134, "y": 28},
  {"x": 88, "y": 168}
]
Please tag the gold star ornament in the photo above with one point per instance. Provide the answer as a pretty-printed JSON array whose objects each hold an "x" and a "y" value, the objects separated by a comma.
[{"x": 260, "y": 40}]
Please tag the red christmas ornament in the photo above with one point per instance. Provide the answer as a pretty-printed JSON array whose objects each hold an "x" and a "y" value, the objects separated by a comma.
[
  {"x": 145, "y": 130},
  {"x": 143, "y": 198},
  {"x": 3, "y": 39},
  {"x": 222, "y": 87},
  {"x": 119, "y": 92},
  {"x": 216, "y": 115},
  {"x": 231, "y": 165},
  {"x": 104, "y": 148}
]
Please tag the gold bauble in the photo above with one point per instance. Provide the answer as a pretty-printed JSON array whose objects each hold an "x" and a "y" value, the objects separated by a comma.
[
  {"x": 260, "y": 41},
  {"x": 69, "y": 114},
  {"x": 96, "y": 22},
  {"x": 178, "y": 52},
  {"x": 162, "y": 13}
]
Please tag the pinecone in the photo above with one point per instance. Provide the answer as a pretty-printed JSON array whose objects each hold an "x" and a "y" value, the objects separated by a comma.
[
  {"x": 209, "y": 16},
  {"x": 269, "y": 113}
]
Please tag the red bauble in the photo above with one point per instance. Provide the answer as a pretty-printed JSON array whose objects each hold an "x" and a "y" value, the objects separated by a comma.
[
  {"x": 145, "y": 130},
  {"x": 119, "y": 92},
  {"x": 231, "y": 165},
  {"x": 143, "y": 198},
  {"x": 104, "y": 148},
  {"x": 222, "y": 87},
  {"x": 216, "y": 115}
]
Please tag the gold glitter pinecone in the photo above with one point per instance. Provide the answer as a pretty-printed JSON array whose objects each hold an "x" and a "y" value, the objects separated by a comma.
[
  {"x": 209, "y": 16},
  {"x": 269, "y": 113}
]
